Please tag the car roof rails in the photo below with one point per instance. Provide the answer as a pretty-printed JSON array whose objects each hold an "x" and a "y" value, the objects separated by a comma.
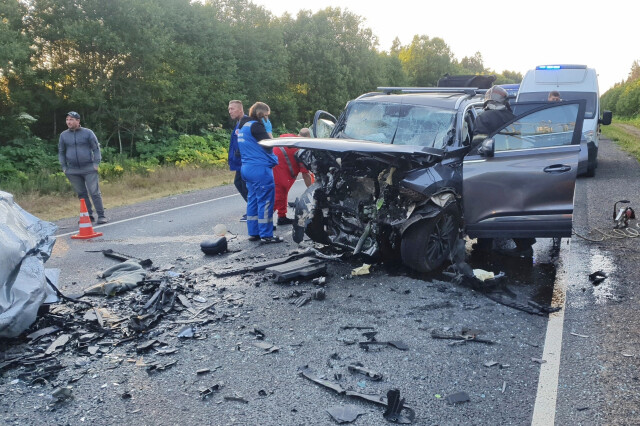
[{"x": 471, "y": 91}]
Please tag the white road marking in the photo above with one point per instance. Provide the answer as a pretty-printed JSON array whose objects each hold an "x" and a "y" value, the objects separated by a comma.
[
  {"x": 544, "y": 410},
  {"x": 152, "y": 214}
]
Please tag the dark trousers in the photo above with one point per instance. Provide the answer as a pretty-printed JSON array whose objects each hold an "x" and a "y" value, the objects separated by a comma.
[
  {"x": 86, "y": 185},
  {"x": 240, "y": 185}
]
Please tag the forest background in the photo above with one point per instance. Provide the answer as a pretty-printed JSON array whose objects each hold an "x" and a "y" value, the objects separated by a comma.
[{"x": 152, "y": 79}]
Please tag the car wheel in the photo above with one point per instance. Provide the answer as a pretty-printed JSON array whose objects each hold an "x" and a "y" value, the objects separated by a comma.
[
  {"x": 427, "y": 244},
  {"x": 591, "y": 169}
]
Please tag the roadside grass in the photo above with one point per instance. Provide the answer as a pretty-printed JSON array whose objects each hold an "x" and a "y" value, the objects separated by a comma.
[
  {"x": 128, "y": 189},
  {"x": 624, "y": 139}
]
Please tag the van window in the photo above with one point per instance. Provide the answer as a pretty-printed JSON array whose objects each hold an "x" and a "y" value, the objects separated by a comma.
[{"x": 590, "y": 97}]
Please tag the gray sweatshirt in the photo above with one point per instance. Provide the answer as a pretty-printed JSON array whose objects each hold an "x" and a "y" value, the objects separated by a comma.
[{"x": 78, "y": 151}]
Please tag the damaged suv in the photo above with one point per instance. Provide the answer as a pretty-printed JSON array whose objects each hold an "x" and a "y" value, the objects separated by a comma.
[{"x": 401, "y": 175}]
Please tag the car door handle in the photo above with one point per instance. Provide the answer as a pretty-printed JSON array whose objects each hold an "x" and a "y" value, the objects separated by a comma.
[{"x": 557, "y": 168}]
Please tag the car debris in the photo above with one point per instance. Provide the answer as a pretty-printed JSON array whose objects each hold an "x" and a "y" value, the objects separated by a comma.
[
  {"x": 358, "y": 368},
  {"x": 122, "y": 277},
  {"x": 207, "y": 392},
  {"x": 62, "y": 393},
  {"x": 578, "y": 335},
  {"x": 538, "y": 360},
  {"x": 236, "y": 398},
  {"x": 462, "y": 336},
  {"x": 264, "y": 265},
  {"x": 597, "y": 277},
  {"x": 57, "y": 344},
  {"x": 317, "y": 294},
  {"x": 214, "y": 246},
  {"x": 397, "y": 406},
  {"x": 457, "y": 398},
  {"x": 361, "y": 270},
  {"x": 267, "y": 347},
  {"x": 145, "y": 263},
  {"x": 394, "y": 343},
  {"x": 345, "y": 413},
  {"x": 304, "y": 268}
]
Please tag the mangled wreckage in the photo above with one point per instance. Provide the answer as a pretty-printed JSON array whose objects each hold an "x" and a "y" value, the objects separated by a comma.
[{"x": 389, "y": 179}]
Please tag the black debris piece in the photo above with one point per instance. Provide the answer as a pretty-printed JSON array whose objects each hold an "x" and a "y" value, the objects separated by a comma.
[
  {"x": 203, "y": 371},
  {"x": 159, "y": 366},
  {"x": 462, "y": 336},
  {"x": 57, "y": 344},
  {"x": 360, "y": 369},
  {"x": 298, "y": 269},
  {"x": 264, "y": 265},
  {"x": 597, "y": 277},
  {"x": 144, "y": 346},
  {"x": 457, "y": 398},
  {"x": 62, "y": 393},
  {"x": 345, "y": 413},
  {"x": 207, "y": 392},
  {"x": 395, "y": 343},
  {"x": 124, "y": 257},
  {"x": 268, "y": 347},
  {"x": 42, "y": 332},
  {"x": 166, "y": 351},
  {"x": 357, "y": 327},
  {"x": 395, "y": 404},
  {"x": 538, "y": 360},
  {"x": 257, "y": 332},
  {"x": 262, "y": 392},
  {"x": 214, "y": 246},
  {"x": 126, "y": 395},
  {"x": 236, "y": 398},
  {"x": 370, "y": 335},
  {"x": 582, "y": 408}
]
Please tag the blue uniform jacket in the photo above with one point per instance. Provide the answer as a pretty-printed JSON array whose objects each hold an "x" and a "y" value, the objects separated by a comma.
[
  {"x": 235, "y": 160},
  {"x": 252, "y": 153}
]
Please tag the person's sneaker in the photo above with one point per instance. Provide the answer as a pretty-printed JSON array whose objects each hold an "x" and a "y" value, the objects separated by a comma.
[
  {"x": 102, "y": 220},
  {"x": 243, "y": 218},
  {"x": 271, "y": 240},
  {"x": 254, "y": 237},
  {"x": 93, "y": 219},
  {"x": 285, "y": 221}
]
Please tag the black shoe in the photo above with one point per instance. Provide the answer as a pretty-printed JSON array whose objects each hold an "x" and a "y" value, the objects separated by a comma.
[
  {"x": 243, "y": 218},
  {"x": 285, "y": 221},
  {"x": 271, "y": 240},
  {"x": 102, "y": 220},
  {"x": 254, "y": 237}
]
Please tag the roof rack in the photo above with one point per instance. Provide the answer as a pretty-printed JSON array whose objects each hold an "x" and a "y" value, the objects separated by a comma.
[{"x": 471, "y": 91}]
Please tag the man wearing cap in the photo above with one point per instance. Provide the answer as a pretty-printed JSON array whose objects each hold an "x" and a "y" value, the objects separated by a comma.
[{"x": 79, "y": 156}]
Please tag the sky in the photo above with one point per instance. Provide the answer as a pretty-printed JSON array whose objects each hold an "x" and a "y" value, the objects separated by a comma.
[{"x": 510, "y": 34}]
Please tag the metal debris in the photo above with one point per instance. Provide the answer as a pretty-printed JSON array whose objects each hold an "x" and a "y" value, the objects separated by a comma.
[
  {"x": 457, "y": 398},
  {"x": 359, "y": 369},
  {"x": 345, "y": 413},
  {"x": 58, "y": 343}
]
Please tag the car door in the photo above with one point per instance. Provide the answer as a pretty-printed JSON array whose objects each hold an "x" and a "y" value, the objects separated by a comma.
[{"x": 521, "y": 183}]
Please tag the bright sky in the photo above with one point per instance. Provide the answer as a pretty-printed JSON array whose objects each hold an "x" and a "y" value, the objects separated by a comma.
[{"x": 510, "y": 34}]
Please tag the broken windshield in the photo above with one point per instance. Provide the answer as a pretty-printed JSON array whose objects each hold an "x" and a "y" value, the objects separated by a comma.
[{"x": 399, "y": 124}]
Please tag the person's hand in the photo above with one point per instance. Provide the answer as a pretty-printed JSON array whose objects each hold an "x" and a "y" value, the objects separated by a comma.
[
  {"x": 95, "y": 166},
  {"x": 267, "y": 125}
]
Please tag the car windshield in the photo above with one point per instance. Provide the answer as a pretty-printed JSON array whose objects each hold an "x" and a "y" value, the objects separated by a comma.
[
  {"x": 590, "y": 97},
  {"x": 399, "y": 124}
]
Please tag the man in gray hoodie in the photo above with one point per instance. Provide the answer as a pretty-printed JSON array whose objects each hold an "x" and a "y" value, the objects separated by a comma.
[{"x": 79, "y": 156}]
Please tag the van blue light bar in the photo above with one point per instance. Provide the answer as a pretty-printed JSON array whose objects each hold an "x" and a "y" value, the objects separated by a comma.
[{"x": 560, "y": 67}]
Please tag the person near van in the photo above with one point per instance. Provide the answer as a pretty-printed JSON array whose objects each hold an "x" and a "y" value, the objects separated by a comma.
[
  {"x": 285, "y": 174},
  {"x": 236, "y": 112},
  {"x": 257, "y": 163},
  {"x": 497, "y": 112},
  {"x": 554, "y": 96},
  {"x": 79, "y": 157}
]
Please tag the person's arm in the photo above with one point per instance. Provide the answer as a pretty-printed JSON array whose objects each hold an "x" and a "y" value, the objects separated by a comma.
[
  {"x": 306, "y": 177},
  {"x": 62, "y": 154},
  {"x": 259, "y": 132},
  {"x": 95, "y": 149}
]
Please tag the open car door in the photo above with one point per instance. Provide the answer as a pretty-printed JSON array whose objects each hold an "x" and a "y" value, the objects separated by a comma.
[{"x": 521, "y": 181}]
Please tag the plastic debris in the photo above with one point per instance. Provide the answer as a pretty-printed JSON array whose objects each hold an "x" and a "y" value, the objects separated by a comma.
[
  {"x": 345, "y": 413},
  {"x": 538, "y": 360},
  {"x": 395, "y": 405},
  {"x": 58, "y": 343},
  {"x": 361, "y": 270},
  {"x": 597, "y": 277},
  {"x": 359, "y": 369},
  {"x": 62, "y": 393},
  {"x": 457, "y": 398}
]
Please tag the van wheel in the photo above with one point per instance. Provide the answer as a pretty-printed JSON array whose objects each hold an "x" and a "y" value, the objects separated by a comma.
[
  {"x": 592, "y": 163},
  {"x": 428, "y": 243}
]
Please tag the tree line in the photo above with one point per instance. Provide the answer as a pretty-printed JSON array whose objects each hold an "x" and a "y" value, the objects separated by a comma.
[
  {"x": 623, "y": 99},
  {"x": 139, "y": 70}
]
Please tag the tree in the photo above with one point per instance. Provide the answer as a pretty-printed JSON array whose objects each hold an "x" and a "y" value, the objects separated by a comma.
[
  {"x": 426, "y": 60},
  {"x": 473, "y": 64}
]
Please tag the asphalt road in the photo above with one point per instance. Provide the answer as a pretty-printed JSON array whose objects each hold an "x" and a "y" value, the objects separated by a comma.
[{"x": 589, "y": 350}]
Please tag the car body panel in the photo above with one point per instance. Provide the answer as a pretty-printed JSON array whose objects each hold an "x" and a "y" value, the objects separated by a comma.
[{"x": 526, "y": 190}]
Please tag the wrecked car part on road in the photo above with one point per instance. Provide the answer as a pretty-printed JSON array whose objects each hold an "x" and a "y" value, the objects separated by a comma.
[
  {"x": 305, "y": 268},
  {"x": 26, "y": 243},
  {"x": 397, "y": 405}
]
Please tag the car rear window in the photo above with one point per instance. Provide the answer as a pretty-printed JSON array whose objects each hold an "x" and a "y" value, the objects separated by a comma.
[
  {"x": 590, "y": 97},
  {"x": 399, "y": 124}
]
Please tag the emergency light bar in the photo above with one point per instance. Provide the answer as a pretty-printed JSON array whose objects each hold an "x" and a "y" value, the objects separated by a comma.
[{"x": 560, "y": 67}]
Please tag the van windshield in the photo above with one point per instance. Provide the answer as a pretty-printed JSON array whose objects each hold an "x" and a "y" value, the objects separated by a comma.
[{"x": 590, "y": 97}]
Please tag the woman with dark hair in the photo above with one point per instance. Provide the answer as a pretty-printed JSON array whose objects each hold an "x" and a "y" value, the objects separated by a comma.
[{"x": 257, "y": 165}]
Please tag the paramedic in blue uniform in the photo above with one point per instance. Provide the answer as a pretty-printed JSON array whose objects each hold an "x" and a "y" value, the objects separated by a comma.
[
  {"x": 236, "y": 112},
  {"x": 257, "y": 165}
]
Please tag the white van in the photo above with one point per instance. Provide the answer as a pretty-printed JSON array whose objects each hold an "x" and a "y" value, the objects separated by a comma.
[{"x": 572, "y": 82}]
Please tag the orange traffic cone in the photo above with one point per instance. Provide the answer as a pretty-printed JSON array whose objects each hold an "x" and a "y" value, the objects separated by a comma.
[{"x": 86, "y": 229}]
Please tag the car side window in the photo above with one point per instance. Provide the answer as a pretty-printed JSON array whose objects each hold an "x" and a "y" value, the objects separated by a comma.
[{"x": 545, "y": 128}]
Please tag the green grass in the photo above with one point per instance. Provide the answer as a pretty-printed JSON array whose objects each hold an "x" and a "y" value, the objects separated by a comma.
[{"x": 624, "y": 139}]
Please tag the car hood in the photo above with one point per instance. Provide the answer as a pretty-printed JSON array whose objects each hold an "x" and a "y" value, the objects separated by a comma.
[{"x": 388, "y": 153}]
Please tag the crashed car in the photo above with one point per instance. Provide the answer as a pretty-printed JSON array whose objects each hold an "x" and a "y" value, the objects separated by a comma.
[{"x": 401, "y": 175}]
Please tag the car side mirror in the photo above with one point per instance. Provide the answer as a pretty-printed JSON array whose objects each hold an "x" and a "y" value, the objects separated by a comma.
[
  {"x": 487, "y": 148},
  {"x": 606, "y": 118}
]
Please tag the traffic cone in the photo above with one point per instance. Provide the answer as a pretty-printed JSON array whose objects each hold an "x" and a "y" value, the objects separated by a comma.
[{"x": 86, "y": 229}]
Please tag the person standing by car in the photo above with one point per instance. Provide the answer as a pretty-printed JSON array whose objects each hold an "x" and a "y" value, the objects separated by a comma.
[
  {"x": 236, "y": 112},
  {"x": 554, "y": 96},
  {"x": 79, "y": 157},
  {"x": 497, "y": 113},
  {"x": 257, "y": 163},
  {"x": 285, "y": 174}
]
